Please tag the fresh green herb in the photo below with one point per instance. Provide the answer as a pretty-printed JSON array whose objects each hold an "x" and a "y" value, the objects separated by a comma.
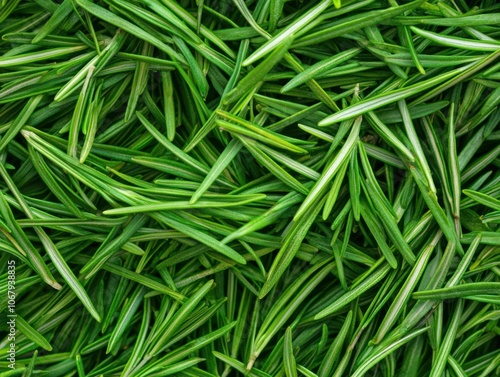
[{"x": 203, "y": 188}]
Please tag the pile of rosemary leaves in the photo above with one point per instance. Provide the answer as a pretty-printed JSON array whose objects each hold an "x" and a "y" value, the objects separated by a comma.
[{"x": 249, "y": 188}]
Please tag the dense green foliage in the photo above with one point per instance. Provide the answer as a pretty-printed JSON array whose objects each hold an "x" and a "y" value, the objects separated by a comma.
[{"x": 250, "y": 187}]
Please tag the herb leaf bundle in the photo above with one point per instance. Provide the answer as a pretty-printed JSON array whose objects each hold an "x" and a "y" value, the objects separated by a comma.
[{"x": 249, "y": 188}]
